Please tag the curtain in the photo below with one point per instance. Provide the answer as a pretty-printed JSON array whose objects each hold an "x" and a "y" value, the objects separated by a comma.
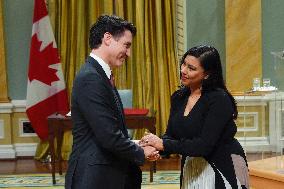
[{"x": 151, "y": 72}]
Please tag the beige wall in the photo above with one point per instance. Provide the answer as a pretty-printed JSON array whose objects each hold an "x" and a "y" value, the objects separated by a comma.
[
  {"x": 3, "y": 76},
  {"x": 243, "y": 43}
]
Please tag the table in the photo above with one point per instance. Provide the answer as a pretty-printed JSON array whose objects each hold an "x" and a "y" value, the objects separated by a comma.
[{"x": 58, "y": 123}]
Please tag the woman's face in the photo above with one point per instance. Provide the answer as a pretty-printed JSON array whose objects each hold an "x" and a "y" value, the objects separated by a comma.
[{"x": 192, "y": 73}]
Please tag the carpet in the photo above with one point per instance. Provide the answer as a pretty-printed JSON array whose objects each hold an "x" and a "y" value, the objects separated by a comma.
[{"x": 162, "y": 179}]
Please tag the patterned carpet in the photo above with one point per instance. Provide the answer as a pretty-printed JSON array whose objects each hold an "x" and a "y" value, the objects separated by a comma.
[{"x": 162, "y": 179}]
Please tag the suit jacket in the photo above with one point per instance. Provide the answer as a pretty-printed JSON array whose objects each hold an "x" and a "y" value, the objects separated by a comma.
[{"x": 102, "y": 153}]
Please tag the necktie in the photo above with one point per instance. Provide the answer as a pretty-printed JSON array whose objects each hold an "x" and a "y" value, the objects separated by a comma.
[{"x": 111, "y": 80}]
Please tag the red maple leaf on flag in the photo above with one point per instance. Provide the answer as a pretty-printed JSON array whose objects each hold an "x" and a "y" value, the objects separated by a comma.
[{"x": 41, "y": 60}]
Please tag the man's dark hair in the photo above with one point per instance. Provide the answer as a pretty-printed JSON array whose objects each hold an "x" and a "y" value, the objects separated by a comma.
[{"x": 112, "y": 24}]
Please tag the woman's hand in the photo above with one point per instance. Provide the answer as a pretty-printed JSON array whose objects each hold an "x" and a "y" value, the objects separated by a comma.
[{"x": 152, "y": 140}]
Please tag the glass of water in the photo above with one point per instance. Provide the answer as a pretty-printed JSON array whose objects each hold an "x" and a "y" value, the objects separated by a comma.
[
  {"x": 266, "y": 82},
  {"x": 256, "y": 83}
]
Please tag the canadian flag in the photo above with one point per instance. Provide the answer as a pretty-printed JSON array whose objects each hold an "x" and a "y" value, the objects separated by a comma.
[{"x": 46, "y": 91}]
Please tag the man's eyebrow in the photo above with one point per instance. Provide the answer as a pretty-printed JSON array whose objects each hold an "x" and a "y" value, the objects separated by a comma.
[{"x": 128, "y": 44}]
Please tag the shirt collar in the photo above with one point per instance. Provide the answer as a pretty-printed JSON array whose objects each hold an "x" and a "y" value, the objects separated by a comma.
[{"x": 104, "y": 65}]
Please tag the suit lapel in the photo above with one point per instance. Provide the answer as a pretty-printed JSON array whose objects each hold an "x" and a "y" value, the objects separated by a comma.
[{"x": 118, "y": 103}]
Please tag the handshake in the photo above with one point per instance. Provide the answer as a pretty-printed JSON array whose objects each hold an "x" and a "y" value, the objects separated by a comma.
[{"x": 151, "y": 145}]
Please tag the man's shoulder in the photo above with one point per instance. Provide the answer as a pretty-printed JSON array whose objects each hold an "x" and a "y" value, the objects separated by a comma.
[
  {"x": 87, "y": 72},
  {"x": 90, "y": 65}
]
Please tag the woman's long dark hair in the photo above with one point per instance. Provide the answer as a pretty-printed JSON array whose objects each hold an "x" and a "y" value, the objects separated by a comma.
[{"x": 211, "y": 63}]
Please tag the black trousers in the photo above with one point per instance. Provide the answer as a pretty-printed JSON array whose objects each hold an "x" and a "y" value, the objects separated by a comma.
[{"x": 133, "y": 178}]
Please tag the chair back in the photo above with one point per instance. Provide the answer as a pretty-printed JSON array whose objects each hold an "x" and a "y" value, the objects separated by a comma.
[{"x": 126, "y": 97}]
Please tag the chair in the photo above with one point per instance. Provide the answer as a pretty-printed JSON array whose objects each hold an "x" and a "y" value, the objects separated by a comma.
[
  {"x": 127, "y": 100},
  {"x": 126, "y": 97}
]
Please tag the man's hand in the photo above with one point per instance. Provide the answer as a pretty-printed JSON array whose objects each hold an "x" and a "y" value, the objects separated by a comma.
[
  {"x": 154, "y": 157},
  {"x": 150, "y": 152}
]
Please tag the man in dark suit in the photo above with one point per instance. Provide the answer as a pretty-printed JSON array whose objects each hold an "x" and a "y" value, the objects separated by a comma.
[{"x": 102, "y": 155}]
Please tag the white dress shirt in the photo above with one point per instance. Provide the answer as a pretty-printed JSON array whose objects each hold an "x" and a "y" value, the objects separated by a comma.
[{"x": 104, "y": 65}]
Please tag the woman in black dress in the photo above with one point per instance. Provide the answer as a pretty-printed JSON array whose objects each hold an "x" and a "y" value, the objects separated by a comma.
[{"x": 201, "y": 126}]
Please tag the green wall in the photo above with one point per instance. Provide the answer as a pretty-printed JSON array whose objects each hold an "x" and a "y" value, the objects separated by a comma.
[
  {"x": 18, "y": 29},
  {"x": 273, "y": 40},
  {"x": 205, "y": 24}
]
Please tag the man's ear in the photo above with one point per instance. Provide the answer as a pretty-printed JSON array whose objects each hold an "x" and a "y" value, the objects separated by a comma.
[{"x": 107, "y": 39}]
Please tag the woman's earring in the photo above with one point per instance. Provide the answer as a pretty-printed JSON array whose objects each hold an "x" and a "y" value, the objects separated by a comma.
[{"x": 206, "y": 77}]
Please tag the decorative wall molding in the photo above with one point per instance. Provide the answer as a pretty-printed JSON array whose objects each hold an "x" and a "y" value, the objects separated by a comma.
[
  {"x": 274, "y": 142},
  {"x": 11, "y": 151},
  {"x": 13, "y": 106},
  {"x": 27, "y": 149},
  {"x": 6, "y": 107},
  {"x": 255, "y": 144},
  {"x": 21, "y": 122},
  {"x": 17, "y": 150},
  {"x": 252, "y": 100},
  {"x": 255, "y": 126},
  {"x": 2, "y": 134},
  {"x": 19, "y": 105},
  {"x": 274, "y": 102},
  {"x": 7, "y": 152},
  {"x": 280, "y": 115}
]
